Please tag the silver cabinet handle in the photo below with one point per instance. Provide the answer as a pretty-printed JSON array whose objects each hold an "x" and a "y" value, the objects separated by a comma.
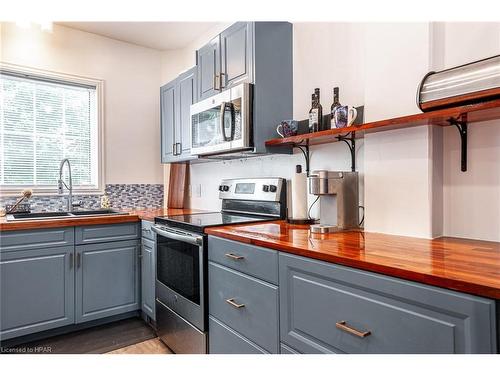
[
  {"x": 234, "y": 304},
  {"x": 179, "y": 151},
  {"x": 216, "y": 82},
  {"x": 234, "y": 256},
  {"x": 71, "y": 260},
  {"x": 78, "y": 260},
  {"x": 173, "y": 149},
  {"x": 222, "y": 83},
  {"x": 342, "y": 325}
]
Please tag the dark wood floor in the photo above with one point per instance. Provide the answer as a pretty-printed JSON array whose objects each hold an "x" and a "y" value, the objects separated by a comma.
[{"x": 96, "y": 340}]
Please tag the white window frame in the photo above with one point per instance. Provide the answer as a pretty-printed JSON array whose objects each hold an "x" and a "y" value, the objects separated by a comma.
[{"x": 14, "y": 190}]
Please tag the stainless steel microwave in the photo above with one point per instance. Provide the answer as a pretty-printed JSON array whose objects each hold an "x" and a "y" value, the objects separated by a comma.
[{"x": 223, "y": 122}]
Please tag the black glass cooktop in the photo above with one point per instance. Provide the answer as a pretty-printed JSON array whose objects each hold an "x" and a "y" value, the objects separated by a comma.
[{"x": 208, "y": 219}]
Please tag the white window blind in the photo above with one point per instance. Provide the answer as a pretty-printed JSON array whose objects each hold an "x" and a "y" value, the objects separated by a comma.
[{"x": 43, "y": 121}]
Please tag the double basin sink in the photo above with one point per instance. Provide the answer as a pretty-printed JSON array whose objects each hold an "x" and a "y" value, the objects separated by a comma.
[{"x": 61, "y": 214}]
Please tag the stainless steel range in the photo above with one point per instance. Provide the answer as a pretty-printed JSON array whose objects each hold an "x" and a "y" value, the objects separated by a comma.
[{"x": 181, "y": 253}]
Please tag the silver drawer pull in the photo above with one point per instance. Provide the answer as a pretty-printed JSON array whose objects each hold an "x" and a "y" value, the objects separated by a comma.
[
  {"x": 234, "y": 304},
  {"x": 342, "y": 325},
  {"x": 234, "y": 256}
]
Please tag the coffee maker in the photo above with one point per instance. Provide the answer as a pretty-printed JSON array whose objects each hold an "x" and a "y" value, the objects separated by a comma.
[{"x": 338, "y": 199}]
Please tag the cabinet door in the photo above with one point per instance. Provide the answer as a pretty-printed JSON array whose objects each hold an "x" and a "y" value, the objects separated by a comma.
[
  {"x": 167, "y": 120},
  {"x": 36, "y": 290},
  {"x": 208, "y": 66},
  {"x": 237, "y": 54},
  {"x": 186, "y": 93},
  {"x": 107, "y": 279},
  {"x": 148, "y": 271}
]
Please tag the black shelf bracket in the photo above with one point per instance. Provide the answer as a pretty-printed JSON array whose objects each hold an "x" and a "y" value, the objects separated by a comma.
[
  {"x": 304, "y": 147},
  {"x": 461, "y": 125},
  {"x": 350, "y": 141}
]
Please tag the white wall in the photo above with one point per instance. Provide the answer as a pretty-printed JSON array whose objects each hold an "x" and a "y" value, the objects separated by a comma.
[
  {"x": 472, "y": 199},
  {"x": 398, "y": 173},
  {"x": 131, "y": 74}
]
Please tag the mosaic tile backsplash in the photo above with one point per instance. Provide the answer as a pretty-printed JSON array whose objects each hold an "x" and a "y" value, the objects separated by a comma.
[{"x": 121, "y": 197}]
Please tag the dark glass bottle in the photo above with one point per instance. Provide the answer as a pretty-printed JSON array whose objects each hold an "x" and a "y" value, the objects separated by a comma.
[
  {"x": 320, "y": 110},
  {"x": 313, "y": 115},
  {"x": 335, "y": 105}
]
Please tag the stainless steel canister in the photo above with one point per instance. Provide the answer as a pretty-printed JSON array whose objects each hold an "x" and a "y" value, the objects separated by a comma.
[{"x": 474, "y": 82}]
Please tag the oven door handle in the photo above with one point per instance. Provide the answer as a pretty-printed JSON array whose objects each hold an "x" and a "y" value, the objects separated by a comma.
[{"x": 184, "y": 237}]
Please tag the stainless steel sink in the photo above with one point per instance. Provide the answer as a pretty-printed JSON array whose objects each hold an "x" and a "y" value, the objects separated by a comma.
[
  {"x": 97, "y": 212},
  {"x": 61, "y": 214}
]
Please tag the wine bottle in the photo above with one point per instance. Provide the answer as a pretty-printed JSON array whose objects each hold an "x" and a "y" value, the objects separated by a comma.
[
  {"x": 335, "y": 105},
  {"x": 320, "y": 109},
  {"x": 313, "y": 115}
]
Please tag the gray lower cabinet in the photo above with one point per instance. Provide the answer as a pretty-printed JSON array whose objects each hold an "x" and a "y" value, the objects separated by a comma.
[
  {"x": 148, "y": 270},
  {"x": 243, "y": 304},
  {"x": 326, "y": 308},
  {"x": 48, "y": 282},
  {"x": 37, "y": 290},
  {"x": 107, "y": 279}
]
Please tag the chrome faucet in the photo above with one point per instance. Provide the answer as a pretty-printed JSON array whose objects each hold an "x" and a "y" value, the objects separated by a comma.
[{"x": 61, "y": 183}]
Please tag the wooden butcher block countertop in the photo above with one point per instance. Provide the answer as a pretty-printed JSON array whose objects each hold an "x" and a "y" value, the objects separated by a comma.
[
  {"x": 132, "y": 215},
  {"x": 469, "y": 266}
]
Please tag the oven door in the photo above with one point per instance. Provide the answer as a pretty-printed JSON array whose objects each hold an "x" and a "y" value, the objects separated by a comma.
[
  {"x": 223, "y": 122},
  {"x": 181, "y": 273}
]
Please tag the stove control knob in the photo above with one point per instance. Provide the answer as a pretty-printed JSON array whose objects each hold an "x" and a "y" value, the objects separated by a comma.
[
  {"x": 225, "y": 188},
  {"x": 221, "y": 188},
  {"x": 265, "y": 188},
  {"x": 273, "y": 188}
]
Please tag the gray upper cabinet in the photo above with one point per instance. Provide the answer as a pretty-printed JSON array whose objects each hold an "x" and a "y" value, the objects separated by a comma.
[
  {"x": 36, "y": 289},
  {"x": 176, "y": 98},
  {"x": 236, "y": 54},
  {"x": 167, "y": 120},
  {"x": 186, "y": 94},
  {"x": 208, "y": 68},
  {"x": 327, "y": 308},
  {"x": 107, "y": 279},
  {"x": 259, "y": 53}
]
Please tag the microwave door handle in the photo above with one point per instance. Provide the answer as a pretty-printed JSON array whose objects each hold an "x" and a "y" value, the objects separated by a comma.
[
  {"x": 223, "y": 106},
  {"x": 194, "y": 240},
  {"x": 233, "y": 121}
]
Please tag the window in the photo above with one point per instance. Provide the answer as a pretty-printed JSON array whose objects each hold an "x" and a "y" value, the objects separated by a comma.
[{"x": 43, "y": 120}]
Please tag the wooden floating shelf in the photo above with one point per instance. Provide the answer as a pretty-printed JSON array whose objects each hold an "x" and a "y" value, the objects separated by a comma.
[{"x": 469, "y": 113}]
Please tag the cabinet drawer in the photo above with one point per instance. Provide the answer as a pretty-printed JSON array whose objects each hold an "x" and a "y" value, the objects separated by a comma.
[
  {"x": 285, "y": 349},
  {"x": 252, "y": 260},
  {"x": 107, "y": 233},
  {"x": 146, "y": 230},
  {"x": 326, "y": 307},
  {"x": 257, "y": 318},
  {"x": 223, "y": 340},
  {"x": 36, "y": 239}
]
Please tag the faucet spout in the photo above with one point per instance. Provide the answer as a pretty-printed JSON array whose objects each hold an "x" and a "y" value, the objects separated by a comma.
[{"x": 61, "y": 183}]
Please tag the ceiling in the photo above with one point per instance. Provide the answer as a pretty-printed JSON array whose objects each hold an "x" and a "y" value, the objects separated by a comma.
[{"x": 157, "y": 35}]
